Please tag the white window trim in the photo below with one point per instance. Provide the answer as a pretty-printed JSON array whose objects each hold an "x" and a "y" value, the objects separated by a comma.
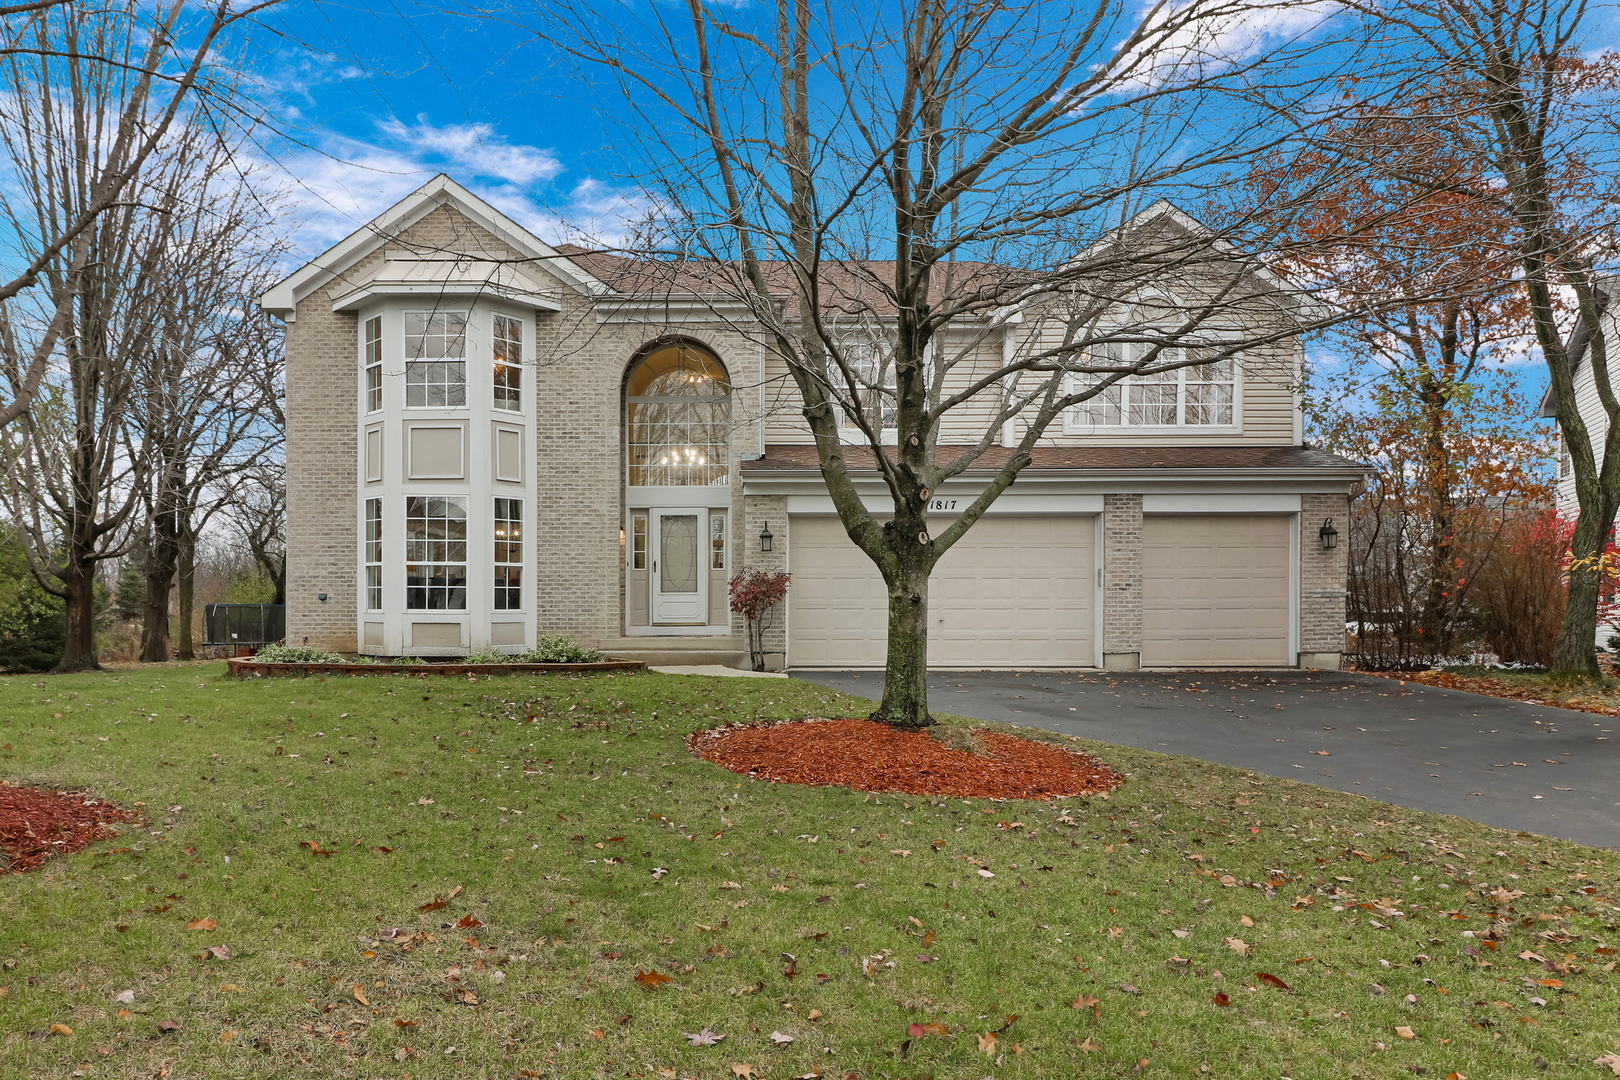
[
  {"x": 525, "y": 579},
  {"x": 850, "y": 433},
  {"x": 466, "y": 563},
  {"x": 524, "y": 391},
  {"x": 465, "y": 360},
  {"x": 1072, "y": 425}
]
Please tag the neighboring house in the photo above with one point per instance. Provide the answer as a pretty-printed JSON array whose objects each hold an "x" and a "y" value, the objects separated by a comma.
[{"x": 490, "y": 438}]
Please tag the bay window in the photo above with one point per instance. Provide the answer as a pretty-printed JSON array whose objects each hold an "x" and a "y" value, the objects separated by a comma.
[
  {"x": 435, "y": 553},
  {"x": 435, "y": 359},
  {"x": 508, "y": 554},
  {"x": 508, "y": 364}
]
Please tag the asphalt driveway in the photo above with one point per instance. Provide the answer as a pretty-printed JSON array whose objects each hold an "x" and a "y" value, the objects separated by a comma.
[{"x": 1504, "y": 763}]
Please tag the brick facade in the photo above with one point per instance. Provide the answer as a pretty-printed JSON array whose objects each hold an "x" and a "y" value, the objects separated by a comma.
[
  {"x": 1322, "y": 580},
  {"x": 1122, "y": 581}
]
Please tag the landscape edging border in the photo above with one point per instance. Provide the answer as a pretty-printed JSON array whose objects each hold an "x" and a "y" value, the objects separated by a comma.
[{"x": 249, "y": 667}]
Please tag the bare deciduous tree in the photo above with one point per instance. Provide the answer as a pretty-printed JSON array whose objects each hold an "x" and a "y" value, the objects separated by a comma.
[
  {"x": 945, "y": 219},
  {"x": 148, "y": 63},
  {"x": 209, "y": 383}
]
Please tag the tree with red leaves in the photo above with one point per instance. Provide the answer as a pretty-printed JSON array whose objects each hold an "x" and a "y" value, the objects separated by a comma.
[{"x": 754, "y": 595}]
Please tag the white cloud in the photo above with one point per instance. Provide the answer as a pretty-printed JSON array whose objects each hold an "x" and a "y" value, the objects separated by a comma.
[{"x": 333, "y": 187}]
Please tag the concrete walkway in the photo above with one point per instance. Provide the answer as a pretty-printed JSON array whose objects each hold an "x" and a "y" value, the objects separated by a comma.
[{"x": 1504, "y": 763}]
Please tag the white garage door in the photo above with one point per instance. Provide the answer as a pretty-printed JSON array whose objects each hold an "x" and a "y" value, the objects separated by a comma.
[
  {"x": 1014, "y": 592},
  {"x": 1215, "y": 590}
]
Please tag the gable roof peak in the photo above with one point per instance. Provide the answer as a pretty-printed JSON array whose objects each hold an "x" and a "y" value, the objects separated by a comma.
[{"x": 439, "y": 192}]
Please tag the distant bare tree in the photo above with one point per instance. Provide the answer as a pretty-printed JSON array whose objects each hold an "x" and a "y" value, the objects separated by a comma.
[
  {"x": 80, "y": 463},
  {"x": 259, "y": 513},
  {"x": 209, "y": 382},
  {"x": 933, "y": 212},
  {"x": 145, "y": 64}
]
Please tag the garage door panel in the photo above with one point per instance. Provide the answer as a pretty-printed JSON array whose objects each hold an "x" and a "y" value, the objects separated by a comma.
[
  {"x": 1014, "y": 592},
  {"x": 1215, "y": 590}
]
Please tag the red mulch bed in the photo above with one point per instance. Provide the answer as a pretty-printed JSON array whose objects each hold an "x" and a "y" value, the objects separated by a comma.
[
  {"x": 35, "y": 825},
  {"x": 869, "y": 756}
]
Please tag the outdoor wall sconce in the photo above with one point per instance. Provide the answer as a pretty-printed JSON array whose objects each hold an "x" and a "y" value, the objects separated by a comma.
[
  {"x": 321, "y": 597},
  {"x": 1328, "y": 534},
  {"x": 765, "y": 537}
]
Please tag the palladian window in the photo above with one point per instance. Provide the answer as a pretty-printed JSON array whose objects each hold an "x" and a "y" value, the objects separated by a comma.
[{"x": 678, "y": 414}]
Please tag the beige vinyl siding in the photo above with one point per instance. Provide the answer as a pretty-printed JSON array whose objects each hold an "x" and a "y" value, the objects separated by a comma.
[{"x": 1266, "y": 397}]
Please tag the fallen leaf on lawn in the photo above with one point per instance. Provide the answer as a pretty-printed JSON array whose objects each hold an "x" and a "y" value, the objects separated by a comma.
[
  {"x": 744, "y": 1070},
  {"x": 1245, "y": 920},
  {"x": 706, "y": 1037},
  {"x": 1127, "y": 988},
  {"x": 1456, "y": 1076},
  {"x": 1271, "y": 980},
  {"x": 227, "y": 1035},
  {"x": 1322, "y": 753},
  {"x": 731, "y": 885},
  {"x": 168, "y": 1025},
  {"x": 666, "y": 1072},
  {"x": 61, "y": 1029},
  {"x": 230, "y": 988},
  {"x": 1406, "y": 1033},
  {"x": 986, "y": 873},
  {"x": 780, "y": 1039},
  {"x": 360, "y": 995},
  {"x": 220, "y": 952},
  {"x": 651, "y": 979},
  {"x": 987, "y": 1042},
  {"x": 127, "y": 997},
  {"x": 917, "y": 1031},
  {"x": 1114, "y": 931},
  {"x": 202, "y": 924},
  {"x": 1222, "y": 1000},
  {"x": 1181, "y": 933},
  {"x": 467, "y": 922},
  {"x": 598, "y": 1033},
  {"x": 1537, "y": 957},
  {"x": 815, "y": 1014},
  {"x": 1089, "y": 1047},
  {"x": 1086, "y": 1001},
  {"x": 1554, "y": 983},
  {"x": 467, "y": 997},
  {"x": 928, "y": 938},
  {"x": 1238, "y": 945},
  {"x": 404, "y": 1023},
  {"x": 1611, "y": 1061},
  {"x": 432, "y": 905}
]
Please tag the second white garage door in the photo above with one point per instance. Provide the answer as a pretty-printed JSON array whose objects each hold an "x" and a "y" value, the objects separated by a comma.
[
  {"x": 1014, "y": 592},
  {"x": 1215, "y": 590}
]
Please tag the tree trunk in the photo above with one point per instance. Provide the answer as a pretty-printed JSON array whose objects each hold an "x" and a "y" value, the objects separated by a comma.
[
  {"x": 1575, "y": 652},
  {"x": 161, "y": 560},
  {"x": 79, "y": 650},
  {"x": 185, "y": 605},
  {"x": 905, "y": 687}
]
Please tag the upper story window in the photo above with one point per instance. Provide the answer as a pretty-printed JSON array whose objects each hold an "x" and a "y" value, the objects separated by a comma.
[
  {"x": 678, "y": 414},
  {"x": 435, "y": 359},
  {"x": 508, "y": 364},
  {"x": 372, "y": 345},
  {"x": 872, "y": 367},
  {"x": 1198, "y": 396}
]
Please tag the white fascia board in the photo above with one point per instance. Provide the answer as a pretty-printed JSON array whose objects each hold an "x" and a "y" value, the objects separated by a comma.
[
  {"x": 377, "y": 289},
  {"x": 282, "y": 298},
  {"x": 1065, "y": 482}
]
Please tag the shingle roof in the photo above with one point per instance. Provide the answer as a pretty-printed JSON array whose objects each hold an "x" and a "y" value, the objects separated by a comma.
[{"x": 784, "y": 458}]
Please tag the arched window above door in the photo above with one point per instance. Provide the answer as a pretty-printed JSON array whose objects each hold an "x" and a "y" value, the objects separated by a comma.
[{"x": 677, "y": 418}]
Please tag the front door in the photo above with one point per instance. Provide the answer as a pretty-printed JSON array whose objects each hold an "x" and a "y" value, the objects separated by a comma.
[{"x": 679, "y": 587}]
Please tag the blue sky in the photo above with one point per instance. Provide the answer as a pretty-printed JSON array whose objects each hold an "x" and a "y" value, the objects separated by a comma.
[{"x": 373, "y": 100}]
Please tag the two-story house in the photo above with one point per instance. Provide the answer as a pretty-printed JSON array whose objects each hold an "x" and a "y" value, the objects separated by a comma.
[{"x": 491, "y": 438}]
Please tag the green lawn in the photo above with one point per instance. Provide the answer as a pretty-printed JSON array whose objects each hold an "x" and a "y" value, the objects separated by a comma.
[{"x": 575, "y": 844}]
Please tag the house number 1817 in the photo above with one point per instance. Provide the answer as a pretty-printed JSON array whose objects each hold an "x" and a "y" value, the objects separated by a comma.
[{"x": 942, "y": 504}]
